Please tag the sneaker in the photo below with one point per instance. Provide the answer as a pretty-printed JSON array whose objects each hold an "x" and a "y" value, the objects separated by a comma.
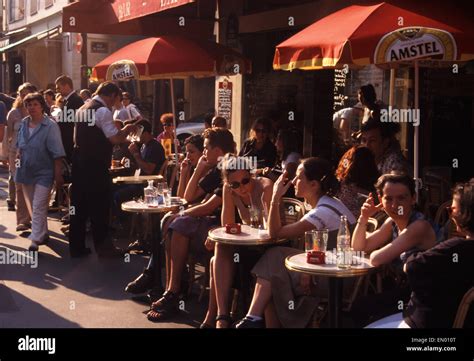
[
  {"x": 33, "y": 246},
  {"x": 249, "y": 323},
  {"x": 23, "y": 227}
]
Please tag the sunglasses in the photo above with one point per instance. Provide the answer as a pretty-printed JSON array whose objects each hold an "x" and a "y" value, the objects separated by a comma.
[
  {"x": 235, "y": 185},
  {"x": 263, "y": 131}
]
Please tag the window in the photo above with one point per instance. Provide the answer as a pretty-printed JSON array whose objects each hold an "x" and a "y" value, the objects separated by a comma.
[
  {"x": 48, "y": 3},
  {"x": 33, "y": 7},
  {"x": 17, "y": 10}
]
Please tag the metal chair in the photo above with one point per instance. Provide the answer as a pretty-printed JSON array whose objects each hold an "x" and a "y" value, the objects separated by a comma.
[
  {"x": 291, "y": 211},
  {"x": 463, "y": 309}
]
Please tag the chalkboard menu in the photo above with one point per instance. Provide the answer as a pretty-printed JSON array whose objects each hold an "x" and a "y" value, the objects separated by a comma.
[{"x": 340, "y": 77}]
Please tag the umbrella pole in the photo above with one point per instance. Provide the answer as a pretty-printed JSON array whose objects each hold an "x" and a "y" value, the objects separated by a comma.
[
  {"x": 416, "y": 144},
  {"x": 173, "y": 110},
  {"x": 391, "y": 94}
]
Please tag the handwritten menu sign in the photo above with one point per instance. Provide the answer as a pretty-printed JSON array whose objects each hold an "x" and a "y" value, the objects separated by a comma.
[
  {"x": 340, "y": 76},
  {"x": 224, "y": 100}
]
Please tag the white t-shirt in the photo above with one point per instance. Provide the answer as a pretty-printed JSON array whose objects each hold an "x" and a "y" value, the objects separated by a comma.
[
  {"x": 121, "y": 114},
  {"x": 325, "y": 217},
  {"x": 293, "y": 157},
  {"x": 104, "y": 119}
]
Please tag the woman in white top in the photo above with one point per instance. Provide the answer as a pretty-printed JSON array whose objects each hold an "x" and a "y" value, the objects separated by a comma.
[{"x": 276, "y": 286}]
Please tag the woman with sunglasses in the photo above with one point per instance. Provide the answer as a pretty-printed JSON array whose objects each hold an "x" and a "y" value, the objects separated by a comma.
[
  {"x": 259, "y": 145},
  {"x": 251, "y": 197},
  {"x": 440, "y": 276},
  {"x": 284, "y": 298}
]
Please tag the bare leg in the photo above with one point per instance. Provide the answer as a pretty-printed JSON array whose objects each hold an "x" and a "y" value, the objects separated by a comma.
[
  {"x": 178, "y": 257},
  {"x": 271, "y": 319},
  {"x": 224, "y": 269},
  {"x": 212, "y": 308},
  {"x": 167, "y": 259},
  {"x": 262, "y": 296}
]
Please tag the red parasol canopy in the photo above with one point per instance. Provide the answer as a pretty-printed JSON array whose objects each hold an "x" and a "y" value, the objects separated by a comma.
[
  {"x": 379, "y": 34},
  {"x": 170, "y": 57}
]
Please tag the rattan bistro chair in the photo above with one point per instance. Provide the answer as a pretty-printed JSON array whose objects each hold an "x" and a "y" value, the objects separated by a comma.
[{"x": 463, "y": 308}]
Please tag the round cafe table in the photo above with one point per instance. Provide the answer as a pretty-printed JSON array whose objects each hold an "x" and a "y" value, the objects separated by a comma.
[
  {"x": 248, "y": 237},
  {"x": 360, "y": 267},
  {"x": 136, "y": 180},
  {"x": 177, "y": 204}
]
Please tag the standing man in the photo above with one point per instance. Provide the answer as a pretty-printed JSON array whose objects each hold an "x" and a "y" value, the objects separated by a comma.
[
  {"x": 72, "y": 102},
  {"x": 91, "y": 185}
]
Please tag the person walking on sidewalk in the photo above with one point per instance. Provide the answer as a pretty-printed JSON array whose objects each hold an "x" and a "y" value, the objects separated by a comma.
[
  {"x": 40, "y": 150},
  {"x": 15, "y": 192}
]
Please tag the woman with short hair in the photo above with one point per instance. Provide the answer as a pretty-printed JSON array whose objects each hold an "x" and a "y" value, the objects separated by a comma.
[{"x": 40, "y": 150}]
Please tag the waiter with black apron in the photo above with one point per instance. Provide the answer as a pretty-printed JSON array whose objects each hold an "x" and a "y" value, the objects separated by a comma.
[{"x": 95, "y": 135}]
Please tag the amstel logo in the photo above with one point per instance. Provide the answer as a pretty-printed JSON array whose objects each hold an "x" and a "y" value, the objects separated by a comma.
[
  {"x": 122, "y": 70},
  {"x": 415, "y": 43}
]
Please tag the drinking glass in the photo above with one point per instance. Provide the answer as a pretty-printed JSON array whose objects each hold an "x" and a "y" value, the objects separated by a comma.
[
  {"x": 320, "y": 240},
  {"x": 166, "y": 195},
  {"x": 160, "y": 190},
  {"x": 308, "y": 240}
]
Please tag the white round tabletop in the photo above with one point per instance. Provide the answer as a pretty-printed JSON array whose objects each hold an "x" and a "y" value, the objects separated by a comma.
[
  {"x": 360, "y": 266},
  {"x": 137, "y": 180},
  {"x": 248, "y": 237},
  {"x": 140, "y": 207}
]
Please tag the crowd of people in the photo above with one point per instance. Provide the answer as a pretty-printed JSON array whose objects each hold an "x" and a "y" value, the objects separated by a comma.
[{"x": 223, "y": 185}]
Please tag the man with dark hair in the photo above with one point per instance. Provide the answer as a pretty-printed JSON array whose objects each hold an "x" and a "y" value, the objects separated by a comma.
[
  {"x": 90, "y": 196},
  {"x": 219, "y": 122},
  {"x": 72, "y": 102},
  {"x": 149, "y": 158},
  {"x": 380, "y": 138},
  {"x": 188, "y": 229},
  {"x": 85, "y": 95}
]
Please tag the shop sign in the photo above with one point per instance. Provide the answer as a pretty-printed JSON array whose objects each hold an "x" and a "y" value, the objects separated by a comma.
[{"x": 415, "y": 43}]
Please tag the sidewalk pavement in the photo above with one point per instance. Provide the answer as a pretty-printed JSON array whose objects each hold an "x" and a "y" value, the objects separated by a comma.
[{"x": 65, "y": 292}]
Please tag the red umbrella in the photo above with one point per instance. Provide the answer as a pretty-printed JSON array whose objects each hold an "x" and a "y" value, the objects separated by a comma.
[
  {"x": 170, "y": 57},
  {"x": 381, "y": 34}
]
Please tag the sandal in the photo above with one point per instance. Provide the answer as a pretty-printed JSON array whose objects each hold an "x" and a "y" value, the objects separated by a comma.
[
  {"x": 225, "y": 318},
  {"x": 165, "y": 307}
]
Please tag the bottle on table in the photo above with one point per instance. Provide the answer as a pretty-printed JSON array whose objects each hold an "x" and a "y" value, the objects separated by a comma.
[
  {"x": 344, "y": 250},
  {"x": 150, "y": 193}
]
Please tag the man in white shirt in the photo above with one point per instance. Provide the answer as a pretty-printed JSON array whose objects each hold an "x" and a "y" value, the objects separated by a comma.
[{"x": 95, "y": 136}]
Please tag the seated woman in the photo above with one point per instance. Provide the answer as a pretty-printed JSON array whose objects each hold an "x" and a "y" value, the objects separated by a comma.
[
  {"x": 276, "y": 286},
  {"x": 248, "y": 195},
  {"x": 405, "y": 232},
  {"x": 289, "y": 155},
  {"x": 194, "y": 147},
  {"x": 434, "y": 304},
  {"x": 259, "y": 144},
  {"x": 357, "y": 174}
]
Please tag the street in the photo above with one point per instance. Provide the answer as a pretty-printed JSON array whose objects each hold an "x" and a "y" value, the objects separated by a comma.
[{"x": 69, "y": 293}]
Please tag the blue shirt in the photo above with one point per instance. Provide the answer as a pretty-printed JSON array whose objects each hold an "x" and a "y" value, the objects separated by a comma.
[{"x": 38, "y": 152}]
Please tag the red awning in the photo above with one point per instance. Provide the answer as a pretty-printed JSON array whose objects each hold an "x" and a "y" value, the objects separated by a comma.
[{"x": 128, "y": 17}]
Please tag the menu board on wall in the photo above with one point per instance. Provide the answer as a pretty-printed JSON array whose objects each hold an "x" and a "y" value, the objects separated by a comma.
[
  {"x": 224, "y": 100},
  {"x": 340, "y": 76}
]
